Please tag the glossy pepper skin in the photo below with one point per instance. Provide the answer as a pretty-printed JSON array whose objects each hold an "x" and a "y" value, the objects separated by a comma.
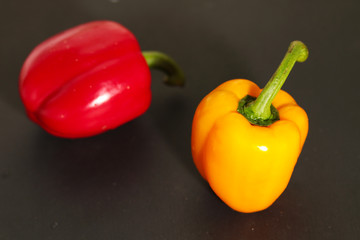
[
  {"x": 86, "y": 80},
  {"x": 247, "y": 166}
]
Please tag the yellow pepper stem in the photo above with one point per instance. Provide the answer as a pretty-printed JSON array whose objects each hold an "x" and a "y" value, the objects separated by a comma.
[{"x": 260, "y": 110}]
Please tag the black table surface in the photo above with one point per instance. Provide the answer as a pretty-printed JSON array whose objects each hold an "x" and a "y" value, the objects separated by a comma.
[{"x": 139, "y": 181}]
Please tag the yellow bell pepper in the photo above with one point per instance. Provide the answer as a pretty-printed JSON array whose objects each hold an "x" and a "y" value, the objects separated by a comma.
[{"x": 246, "y": 147}]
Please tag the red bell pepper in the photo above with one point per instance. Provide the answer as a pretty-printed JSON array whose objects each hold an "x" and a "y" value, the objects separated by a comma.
[{"x": 89, "y": 79}]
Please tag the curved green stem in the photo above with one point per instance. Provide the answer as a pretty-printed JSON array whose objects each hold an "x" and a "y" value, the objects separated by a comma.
[
  {"x": 163, "y": 62},
  {"x": 260, "y": 110}
]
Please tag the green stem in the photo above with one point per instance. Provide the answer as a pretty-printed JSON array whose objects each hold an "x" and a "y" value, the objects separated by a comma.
[
  {"x": 163, "y": 62},
  {"x": 261, "y": 110}
]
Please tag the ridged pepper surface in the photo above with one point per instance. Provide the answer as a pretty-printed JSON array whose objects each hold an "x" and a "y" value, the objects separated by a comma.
[
  {"x": 89, "y": 79},
  {"x": 248, "y": 156}
]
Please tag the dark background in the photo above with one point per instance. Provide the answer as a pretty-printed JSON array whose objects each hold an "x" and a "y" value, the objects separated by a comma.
[{"x": 138, "y": 181}]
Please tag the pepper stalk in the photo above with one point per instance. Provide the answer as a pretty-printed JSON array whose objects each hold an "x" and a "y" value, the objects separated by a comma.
[
  {"x": 161, "y": 61},
  {"x": 259, "y": 111}
]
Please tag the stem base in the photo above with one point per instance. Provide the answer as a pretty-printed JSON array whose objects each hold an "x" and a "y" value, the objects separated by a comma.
[{"x": 246, "y": 111}]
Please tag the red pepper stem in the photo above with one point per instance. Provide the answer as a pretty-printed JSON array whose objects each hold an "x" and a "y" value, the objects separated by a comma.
[
  {"x": 161, "y": 61},
  {"x": 260, "y": 108}
]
